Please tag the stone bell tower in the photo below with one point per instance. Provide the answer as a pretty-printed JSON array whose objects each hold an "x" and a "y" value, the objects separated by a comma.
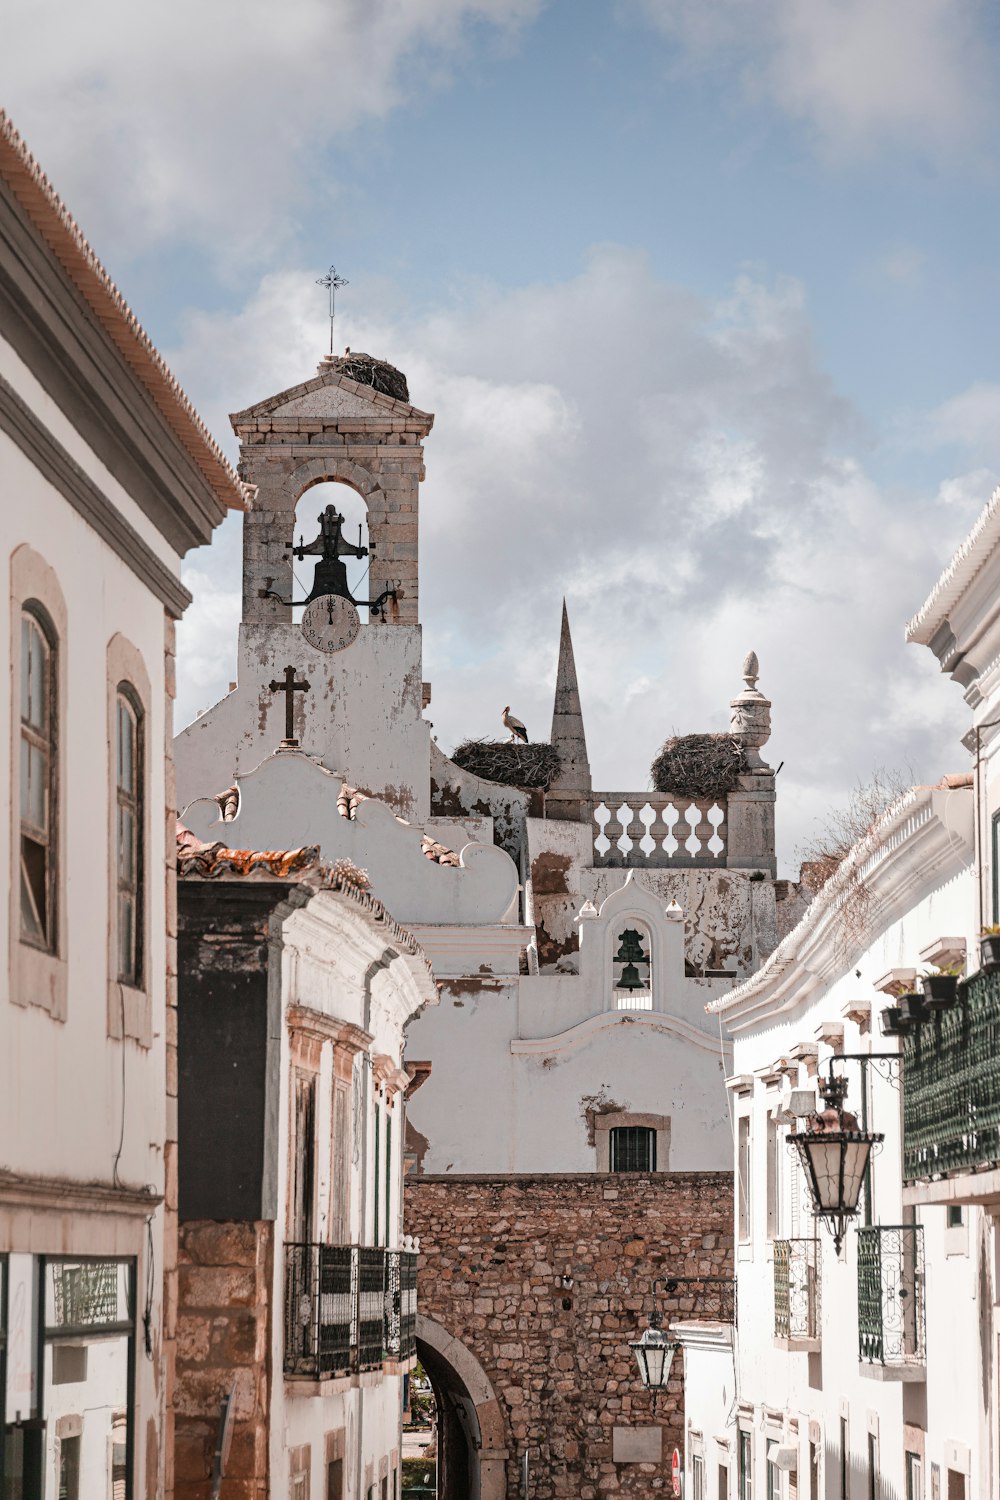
[
  {"x": 344, "y": 690},
  {"x": 353, "y": 423}
]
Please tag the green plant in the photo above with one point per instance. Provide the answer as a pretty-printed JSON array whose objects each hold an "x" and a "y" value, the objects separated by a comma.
[
  {"x": 993, "y": 931},
  {"x": 952, "y": 971}
]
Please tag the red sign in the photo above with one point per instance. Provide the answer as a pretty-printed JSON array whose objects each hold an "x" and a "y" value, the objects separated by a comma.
[{"x": 675, "y": 1473}]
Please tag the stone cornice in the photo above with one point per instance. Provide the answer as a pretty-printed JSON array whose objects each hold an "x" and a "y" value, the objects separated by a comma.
[
  {"x": 923, "y": 839},
  {"x": 62, "y": 471},
  {"x": 325, "y": 1028},
  {"x": 58, "y": 1195}
]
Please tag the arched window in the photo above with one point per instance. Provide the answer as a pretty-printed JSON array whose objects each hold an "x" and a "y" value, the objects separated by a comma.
[
  {"x": 632, "y": 973},
  {"x": 129, "y": 851},
  {"x": 38, "y": 766}
]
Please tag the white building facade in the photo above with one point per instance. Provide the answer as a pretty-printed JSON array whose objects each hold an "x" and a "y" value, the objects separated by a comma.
[
  {"x": 107, "y": 478},
  {"x": 861, "y": 1373},
  {"x": 297, "y": 1290}
]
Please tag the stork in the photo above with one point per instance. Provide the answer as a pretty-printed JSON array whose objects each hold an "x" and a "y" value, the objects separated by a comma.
[{"x": 517, "y": 729}]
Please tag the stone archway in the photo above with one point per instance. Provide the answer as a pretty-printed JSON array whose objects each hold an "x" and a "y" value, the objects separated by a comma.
[{"x": 472, "y": 1447}]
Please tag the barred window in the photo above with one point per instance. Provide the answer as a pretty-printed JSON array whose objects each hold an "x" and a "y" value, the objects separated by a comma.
[
  {"x": 633, "y": 1149},
  {"x": 38, "y": 761},
  {"x": 128, "y": 834}
]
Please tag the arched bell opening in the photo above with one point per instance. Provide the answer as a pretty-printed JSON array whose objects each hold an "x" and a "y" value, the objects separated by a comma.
[
  {"x": 346, "y": 525},
  {"x": 631, "y": 965}
]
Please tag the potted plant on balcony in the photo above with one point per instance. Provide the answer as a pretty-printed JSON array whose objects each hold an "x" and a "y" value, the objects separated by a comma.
[
  {"x": 989, "y": 949},
  {"x": 894, "y": 1023},
  {"x": 940, "y": 986},
  {"x": 913, "y": 1007}
]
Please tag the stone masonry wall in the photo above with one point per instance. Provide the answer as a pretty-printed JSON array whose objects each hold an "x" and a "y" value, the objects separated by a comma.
[
  {"x": 223, "y": 1340},
  {"x": 493, "y": 1254}
]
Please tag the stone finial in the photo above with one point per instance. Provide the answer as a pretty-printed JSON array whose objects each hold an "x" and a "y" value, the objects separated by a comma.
[
  {"x": 568, "y": 734},
  {"x": 750, "y": 713},
  {"x": 674, "y": 912}
]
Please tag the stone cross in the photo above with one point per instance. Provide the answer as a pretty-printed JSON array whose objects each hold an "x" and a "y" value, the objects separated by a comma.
[{"x": 289, "y": 687}]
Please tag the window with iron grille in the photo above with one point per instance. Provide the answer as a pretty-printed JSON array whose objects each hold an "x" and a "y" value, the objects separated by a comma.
[
  {"x": 633, "y": 1149},
  {"x": 38, "y": 763},
  {"x": 128, "y": 834}
]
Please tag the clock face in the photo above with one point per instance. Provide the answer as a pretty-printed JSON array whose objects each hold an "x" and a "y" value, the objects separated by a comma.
[{"x": 330, "y": 623}]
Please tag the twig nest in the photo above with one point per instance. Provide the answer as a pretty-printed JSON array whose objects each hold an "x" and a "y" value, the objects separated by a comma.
[
  {"x": 532, "y": 766},
  {"x": 699, "y": 765}
]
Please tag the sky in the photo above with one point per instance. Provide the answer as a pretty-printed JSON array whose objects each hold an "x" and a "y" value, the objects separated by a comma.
[{"x": 702, "y": 293}]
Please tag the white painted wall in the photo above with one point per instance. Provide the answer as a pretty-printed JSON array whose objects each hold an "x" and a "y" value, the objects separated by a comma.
[
  {"x": 784, "y": 1388},
  {"x": 75, "y": 1105},
  {"x": 330, "y": 964}
]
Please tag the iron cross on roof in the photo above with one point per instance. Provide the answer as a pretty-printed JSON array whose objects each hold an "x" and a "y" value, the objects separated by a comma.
[
  {"x": 332, "y": 282},
  {"x": 289, "y": 687}
]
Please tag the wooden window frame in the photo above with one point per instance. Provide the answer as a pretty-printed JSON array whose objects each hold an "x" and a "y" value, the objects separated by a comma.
[
  {"x": 38, "y": 976},
  {"x": 130, "y": 1003}
]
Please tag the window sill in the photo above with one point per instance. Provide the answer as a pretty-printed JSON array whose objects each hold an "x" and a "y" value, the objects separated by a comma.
[
  {"x": 135, "y": 1008},
  {"x": 798, "y": 1346},
  {"x": 39, "y": 979}
]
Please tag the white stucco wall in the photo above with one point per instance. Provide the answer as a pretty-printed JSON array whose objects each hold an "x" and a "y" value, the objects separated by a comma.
[
  {"x": 783, "y": 1392},
  {"x": 76, "y": 1106}
]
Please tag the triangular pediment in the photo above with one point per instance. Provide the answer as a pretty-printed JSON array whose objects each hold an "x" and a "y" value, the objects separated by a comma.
[{"x": 330, "y": 397}]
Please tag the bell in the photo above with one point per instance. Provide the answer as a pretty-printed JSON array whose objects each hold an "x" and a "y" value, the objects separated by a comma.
[
  {"x": 630, "y": 951},
  {"x": 630, "y": 979}
]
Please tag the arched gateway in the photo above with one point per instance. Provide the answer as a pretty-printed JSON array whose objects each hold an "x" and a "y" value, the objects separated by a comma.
[{"x": 472, "y": 1448}]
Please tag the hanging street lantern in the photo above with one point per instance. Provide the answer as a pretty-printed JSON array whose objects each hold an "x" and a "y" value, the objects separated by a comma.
[
  {"x": 654, "y": 1354},
  {"x": 834, "y": 1153}
]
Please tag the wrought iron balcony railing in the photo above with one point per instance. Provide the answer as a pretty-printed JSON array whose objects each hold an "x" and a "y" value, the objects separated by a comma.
[
  {"x": 951, "y": 1086},
  {"x": 891, "y": 1296},
  {"x": 348, "y": 1308},
  {"x": 797, "y": 1291}
]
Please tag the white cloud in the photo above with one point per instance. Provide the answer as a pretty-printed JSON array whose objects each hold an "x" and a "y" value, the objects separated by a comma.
[
  {"x": 683, "y": 471},
  {"x": 862, "y": 73},
  {"x": 207, "y": 122},
  {"x": 971, "y": 421}
]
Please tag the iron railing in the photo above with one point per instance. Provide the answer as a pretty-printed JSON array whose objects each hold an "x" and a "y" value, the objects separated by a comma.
[
  {"x": 348, "y": 1308},
  {"x": 951, "y": 1085},
  {"x": 891, "y": 1295},
  {"x": 796, "y": 1289}
]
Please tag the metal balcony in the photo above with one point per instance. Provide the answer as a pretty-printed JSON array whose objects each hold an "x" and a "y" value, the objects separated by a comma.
[
  {"x": 348, "y": 1308},
  {"x": 797, "y": 1293},
  {"x": 951, "y": 1086},
  {"x": 891, "y": 1333}
]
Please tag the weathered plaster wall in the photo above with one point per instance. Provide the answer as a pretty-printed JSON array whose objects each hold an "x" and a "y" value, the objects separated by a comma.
[
  {"x": 493, "y": 1255},
  {"x": 361, "y": 715},
  {"x": 528, "y": 1112}
]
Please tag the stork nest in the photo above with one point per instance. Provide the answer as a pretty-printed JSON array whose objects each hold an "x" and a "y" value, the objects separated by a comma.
[
  {"x": 509, "y": 765},
  {"x": 377, "y": 373},
  {"x": 699, "y": 765}
]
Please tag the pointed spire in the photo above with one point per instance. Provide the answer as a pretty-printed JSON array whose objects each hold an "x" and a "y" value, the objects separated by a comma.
[{"x": 568, "y": 735}]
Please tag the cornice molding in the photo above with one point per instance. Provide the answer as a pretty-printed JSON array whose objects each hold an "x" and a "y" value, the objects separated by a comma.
[
  {"x": 58, "y": 1194},
  {"x": 923, "y": 839},
  {"x": 609, "y": 1020},
  {"x": 321, "y": 1027},
  {"x": 63, "y": 472}
]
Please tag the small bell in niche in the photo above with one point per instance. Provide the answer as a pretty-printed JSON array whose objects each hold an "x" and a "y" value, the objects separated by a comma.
[
  {"x": 630, "y": 951},
  {"x": 630, "y": 979}
]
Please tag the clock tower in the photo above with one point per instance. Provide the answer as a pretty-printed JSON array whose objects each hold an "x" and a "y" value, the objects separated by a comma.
[{"x": 352, "y": 424}]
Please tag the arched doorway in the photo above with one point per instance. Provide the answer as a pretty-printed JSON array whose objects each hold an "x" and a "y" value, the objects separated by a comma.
[{"x": 472, "y": 1448}]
